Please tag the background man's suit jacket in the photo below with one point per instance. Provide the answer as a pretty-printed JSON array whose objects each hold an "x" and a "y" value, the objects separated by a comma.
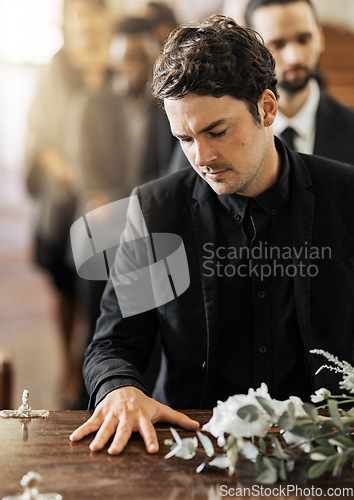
[
  {"x": 334, "y": 130},
  {"x": 104, "y": 150},
  {"x": 182, "y": 203}
]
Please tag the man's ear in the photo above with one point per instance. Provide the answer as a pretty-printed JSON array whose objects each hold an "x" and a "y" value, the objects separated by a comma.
[
  {"x": 267, "y": 107},
  {"x": 322, "y": 39}
]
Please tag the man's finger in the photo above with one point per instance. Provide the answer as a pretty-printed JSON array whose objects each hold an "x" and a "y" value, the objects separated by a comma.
[
  {"x": 87, "y": 428},
  {"x": 148, "y": 433},
  {"x": 103, "y": 435},
  {"x": 122, "y": 435},
  {"x": 177, "y": 418}
]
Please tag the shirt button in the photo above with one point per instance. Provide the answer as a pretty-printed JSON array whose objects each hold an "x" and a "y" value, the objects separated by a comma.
[
  {"x": 263, "y": 349},
  {"x": 273, "y": 212},
  {"x": 204, "y": 365},
  {"x": 261, "y": 295},
  {"x": 238, "y": 218}
]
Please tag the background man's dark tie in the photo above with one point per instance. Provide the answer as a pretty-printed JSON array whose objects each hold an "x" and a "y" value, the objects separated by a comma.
[{"x": 288, "y": 136}]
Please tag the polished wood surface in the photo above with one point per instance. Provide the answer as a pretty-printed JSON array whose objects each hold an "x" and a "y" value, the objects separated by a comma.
[{"x": 76, "y": 473}]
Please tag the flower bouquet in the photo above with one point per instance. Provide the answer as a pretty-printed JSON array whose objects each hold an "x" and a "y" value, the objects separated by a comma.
[{"x": 241, "y": 424}]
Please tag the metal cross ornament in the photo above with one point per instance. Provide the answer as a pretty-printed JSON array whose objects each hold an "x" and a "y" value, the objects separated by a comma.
[
  {"x": 30, "y": 483},
  {"x": 24, "y": 411}
]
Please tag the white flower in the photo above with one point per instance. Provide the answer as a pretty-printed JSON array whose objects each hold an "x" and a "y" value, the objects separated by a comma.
[
  {"x": 348, "y": 382},
  {"x": 243, "y": 415},
  {"x": 299, "y": 406},
  {"x": 226, "y": 420},
  {"x": 184, "y": 448},
  {"x": 320, "y": 395},
  {"x": 343, "y": 367},
  {"x": 281, "y": 407}
]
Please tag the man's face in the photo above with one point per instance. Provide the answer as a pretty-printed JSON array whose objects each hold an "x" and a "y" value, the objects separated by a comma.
[
  {"x": 295, "y": 39},
  {"x": 133, "y": 56},
  {"x": 224, "y": 143},
  {"x": 85, "y": 23}
]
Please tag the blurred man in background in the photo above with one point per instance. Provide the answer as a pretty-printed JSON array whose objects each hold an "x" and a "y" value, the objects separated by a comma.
[
  {"x": 81, "y": 66},
  {"x": 309, "y": 120},
  {"x": 163, "y": 19}
]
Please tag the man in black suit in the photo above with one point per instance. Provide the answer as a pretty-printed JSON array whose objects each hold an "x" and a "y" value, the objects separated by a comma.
[
  {"x": 321, "y": 125},
  {"x": 269, "y": 240}
]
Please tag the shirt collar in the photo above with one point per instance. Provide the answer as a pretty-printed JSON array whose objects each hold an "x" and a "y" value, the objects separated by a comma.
[
  {"x": 271, "y": 200},
  {"x": 304, "y": 120},
  {"x": 275, "y": 197}
]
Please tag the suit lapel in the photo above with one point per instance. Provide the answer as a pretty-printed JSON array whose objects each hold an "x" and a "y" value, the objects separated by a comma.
[
  {"x": 324, "y": 124},
  {"x": 203, "y": 213}
]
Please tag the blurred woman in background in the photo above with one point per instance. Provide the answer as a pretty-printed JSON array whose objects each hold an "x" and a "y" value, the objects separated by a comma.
[{"x": 80, "y": 66}]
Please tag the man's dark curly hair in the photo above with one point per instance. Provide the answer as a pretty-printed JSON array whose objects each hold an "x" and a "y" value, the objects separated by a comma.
[{"x": 216, "y": 57}]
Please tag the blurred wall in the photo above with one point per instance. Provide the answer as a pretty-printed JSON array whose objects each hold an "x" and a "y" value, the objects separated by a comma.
[{"x": 336, "y": 13}]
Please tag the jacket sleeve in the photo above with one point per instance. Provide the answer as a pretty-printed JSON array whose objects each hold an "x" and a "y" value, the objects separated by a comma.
[{"x": 124, "y": 339}]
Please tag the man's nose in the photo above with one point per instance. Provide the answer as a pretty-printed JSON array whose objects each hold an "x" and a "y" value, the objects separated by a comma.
[
  {"x": 292, "y": 54},
  {"x": 204, "y": 154}
]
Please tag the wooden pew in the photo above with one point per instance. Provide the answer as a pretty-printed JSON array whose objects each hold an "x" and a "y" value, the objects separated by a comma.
[
  {"x": 6, "y": 376},
  {"x": 337, "y": 64}
]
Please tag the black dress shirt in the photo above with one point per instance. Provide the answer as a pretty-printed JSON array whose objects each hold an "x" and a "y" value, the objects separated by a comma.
[{"x": 259, "y": 338}]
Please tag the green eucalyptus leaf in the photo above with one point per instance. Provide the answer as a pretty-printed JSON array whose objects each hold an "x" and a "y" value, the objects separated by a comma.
[
  {"x": 262, "y": 445},
  {"x": 342, "y": 441},
  {"x": 262, "y": 464},
  {"x": 291, "y": 410},
  {"x": 269, "y": 473},
  {"x": 311, "y": 411},
  {"x": 317, "y": 470},
  {"x": 282, "y": 471},
  {"x": 267, "y": 477},
  {"x": 287, "y": 419},
  {"x": 265, "y": 404},
  {"x": 290, "y": 463},
  {"x": 333, "y": 411},
  {"x": 323, "y": 430},
  {"x": 304, "y": 431},
  {"x": 331, "y": 462},
  {"x": 341, "y": 460},
  {"x": 325, "y": 451},
  {"x": 249, "y": 413},
  {"x": 278, "y": 450}
]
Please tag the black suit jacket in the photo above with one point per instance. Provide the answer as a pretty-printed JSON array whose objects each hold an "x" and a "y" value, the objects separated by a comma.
[
  {"x": 334, "y": 130},
  {"x": 182, "y": 203}
]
